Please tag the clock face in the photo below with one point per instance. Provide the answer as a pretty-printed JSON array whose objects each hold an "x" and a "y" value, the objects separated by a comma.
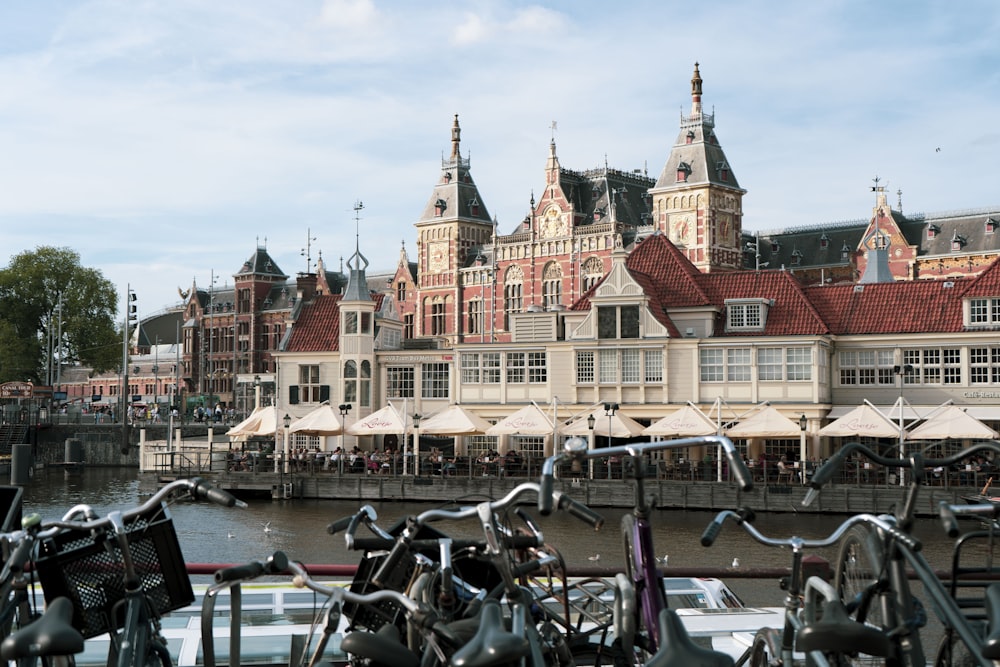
[
  {"x": 681, "y": 229},
  {"x": 438, "y": 256}
]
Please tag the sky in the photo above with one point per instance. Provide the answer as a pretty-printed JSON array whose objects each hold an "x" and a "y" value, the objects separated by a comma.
[{"x": 165, "y": 141}]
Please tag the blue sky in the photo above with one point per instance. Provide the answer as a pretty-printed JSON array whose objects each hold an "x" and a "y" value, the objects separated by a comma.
[{"x": 164, "y": 140}]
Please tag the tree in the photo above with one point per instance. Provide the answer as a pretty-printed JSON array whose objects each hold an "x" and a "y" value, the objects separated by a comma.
[{"x": 30, "y": 290}]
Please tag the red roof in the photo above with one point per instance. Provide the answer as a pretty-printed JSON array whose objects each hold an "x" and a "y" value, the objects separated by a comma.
[
  {"x": 906, "y": 306},
  {"x": 791, "y": 312},
  {"x": 986, "y": 284},
  {"x": 317, "y": 328}
]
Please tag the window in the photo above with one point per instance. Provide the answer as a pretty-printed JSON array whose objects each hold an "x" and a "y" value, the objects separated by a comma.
[
  {"x": 584, "y": 367},
  {"x": 984, "y": 311},
  {"x": 491, "y": 368},
  {"x": 243, "y": 300},
  {"x": 712, "y": 362},
  {"x": 434, "y": 380},
  {"x": 471, "y": 371},
  {"x": 934, "y": 366},
  {"x": 309, "y": 387},
  {"x": 400, "y": 291},
  {"x": 552, "y": 286},
  {"x": 366, "y": 323},
  {"x": 745, "y": 315},
  {"x": 437, "y": 319},
  {"x": 738, "y": 364},
  {"x": 653, "y": 366},
  {"x": 769, "y": 366},
  {"x": 513, "y": 299},
  {"x": 630, "y": 366},
  {"x": 609, "y": 366},
  {"x": 615, "y": 322},
  {"x": 351, "y": 381},
  {"x": 537, "y": 369},
  {"x": 864, "y": 367},
  {"x": 365, "y": 384},
  {"x": 350, "y": 322},
  {"x": 475, "y": 319},
  {"x": 408, "y": 329},
  {"x": 399, "y": 382},
  {"x": 593, "y": 271},
  {"x": 515, "y": 368},
  {"x": 984, "y": 365}
]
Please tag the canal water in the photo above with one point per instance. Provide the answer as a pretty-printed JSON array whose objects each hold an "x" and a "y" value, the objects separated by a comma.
[{"x": 213, "y": 534}]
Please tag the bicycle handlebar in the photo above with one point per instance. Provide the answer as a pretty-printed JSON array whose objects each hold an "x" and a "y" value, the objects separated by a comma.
[
  {"x": 275, "y": 564},
  {"x": 714, "y": 528},
  {"x": 947, "y": 513},
  {"x": 575, "y": 449}
]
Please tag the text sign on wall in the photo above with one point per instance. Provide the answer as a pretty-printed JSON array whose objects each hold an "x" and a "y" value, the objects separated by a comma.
[{"x": 16, "y": 390}]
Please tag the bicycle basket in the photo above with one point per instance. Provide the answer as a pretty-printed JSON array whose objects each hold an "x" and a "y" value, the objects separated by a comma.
[{"x": 88, "y": 570}]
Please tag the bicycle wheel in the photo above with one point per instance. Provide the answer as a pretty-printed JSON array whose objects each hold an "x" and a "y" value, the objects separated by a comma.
[
  {"x": 628, "y": 531},
  {"x": 952, "y": 652},
  {"x": 860, "y": 561},
  {"x": 764, "y": 649}
]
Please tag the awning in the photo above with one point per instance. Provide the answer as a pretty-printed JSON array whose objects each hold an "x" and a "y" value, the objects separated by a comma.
[
  {"x": 768, "y": 423},
  {"x": 620, "y": 426},
  {"x": 863, "y": 421},
  {"x": 454, "y": 420},
  {"x": 529, "y": 420},
  {"x": 384, "y": 421},
  {"x": 688, "y": 421}
]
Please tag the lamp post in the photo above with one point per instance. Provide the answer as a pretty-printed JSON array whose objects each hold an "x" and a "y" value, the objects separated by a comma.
[
  {"x": 609, "y": 410},
  {"x": 344, "y": 409},
  {"x": 802, "y": 448},
  {"x": 416, "y": 444},
  {"x": 901, "y": 372},
  {"x": 287, "y": 422},
  {"x": 256, "y": 392},
  {"x": 590, "y": 444}
]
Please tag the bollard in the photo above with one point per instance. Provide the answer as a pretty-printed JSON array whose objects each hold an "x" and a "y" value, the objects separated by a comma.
[{"x": 20, "y": 464}]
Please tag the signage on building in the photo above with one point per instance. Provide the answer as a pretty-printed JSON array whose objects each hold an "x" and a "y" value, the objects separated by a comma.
[
  {"x": 414, "y": 358},
  {"x": 59, "y": 396},
  {"x": 16, "y": 390},
  {"x": 95, "y": 398}
]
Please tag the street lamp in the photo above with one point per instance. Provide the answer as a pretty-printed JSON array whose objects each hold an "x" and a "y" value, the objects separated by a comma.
[
  {"x": 256, "y": 392},
  {"x": 344, "y": 409},
  {"x": 609, "y": 410},
  {"x": 802, "y": 447},
  {"x": 416, "y": 444},
  {"x": 901, "y": 372},
  {"x": 590, "y": 444},
  {"x": 287, "y": 422}
]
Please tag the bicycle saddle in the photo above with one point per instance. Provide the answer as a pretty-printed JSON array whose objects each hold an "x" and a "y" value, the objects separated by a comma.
[
  {"x": 836, "y": 631},
  {"x": 52, "y": 633},
  {"x": 676, "y": 647},
  {"x": 492, "y": 643},
  {"x": 991, "y": 647},
  {"x": 382, "y": 647}
]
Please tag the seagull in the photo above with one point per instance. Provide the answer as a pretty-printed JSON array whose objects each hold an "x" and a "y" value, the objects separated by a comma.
[
  {"x": 663, "y": 561},
  {"x": 230, "y": 535},
  {"x": 736, "y": 562},
  {"x": 594, "y": 558},
  {"x": 267, "y": 527}
]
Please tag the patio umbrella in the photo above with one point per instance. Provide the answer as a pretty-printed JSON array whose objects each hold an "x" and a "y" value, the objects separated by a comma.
[
  {"x": 864, "y": 420},
  {"x": 263, "y": 421},
  {"x": 529, "y": 420},
  {"x": 768, "y": 423},
  {"x": 454, "y": 420},
  {"x": 688, "y": 421},
  {"x": 321, "y": 421},
  {"x": 386, "y": 420},
  {"x": 952, "y": 422},
  {"x": 621, "y": 426}
]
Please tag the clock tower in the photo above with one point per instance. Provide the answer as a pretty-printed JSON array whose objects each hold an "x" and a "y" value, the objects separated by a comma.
[
  {"x": 697, "y": 202},
  {"x": 454, "y": 221}
]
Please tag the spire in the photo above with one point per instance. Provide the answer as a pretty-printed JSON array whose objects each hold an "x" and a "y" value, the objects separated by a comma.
[
  {"x": 456, "y": 139},
  {"x": 357, "y": 284},
  {"x": 696, "y": 92}
]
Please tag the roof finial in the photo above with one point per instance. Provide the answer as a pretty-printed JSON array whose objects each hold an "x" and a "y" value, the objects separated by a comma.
[
  {"x": 696, "y": 92},
  {"x": 456, "y": 139}
]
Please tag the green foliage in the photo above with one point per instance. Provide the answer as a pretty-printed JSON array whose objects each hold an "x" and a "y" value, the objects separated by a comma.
[{"x": 30, "y": 287}]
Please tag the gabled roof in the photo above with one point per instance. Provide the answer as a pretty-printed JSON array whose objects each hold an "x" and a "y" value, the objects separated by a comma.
[
  {"x": 261, "y": 264},
  {"x": 668, "y": 276},
  {"x": 317, "y": 328},
  {"x": 913, "y": 306},
  {"x": 986, "y": 284}
]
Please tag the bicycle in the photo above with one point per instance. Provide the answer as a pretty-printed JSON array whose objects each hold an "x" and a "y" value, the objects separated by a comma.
[
  {"x": 816, "y": 622},
  {"x": 641, "y": 595},
  {"x": 871, "y": 567},
  {"x": 122, "y": 571}
]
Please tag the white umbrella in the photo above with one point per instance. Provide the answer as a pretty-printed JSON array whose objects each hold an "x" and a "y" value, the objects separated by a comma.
[
  {"x": 768, "y": 423},
  {"x": 621, "y": 426},
  {"x": 688, "y": 421},
  {"x": 952, "y": 422},
  {"x": 529, "y": 420},
  {"x": 263, "y": 421},
  {"x": 321, "y": 421},
  {"x": 386, "y": 420},
  {"x": 454, "y": 420},
  {"x": 864, "y": 420}
]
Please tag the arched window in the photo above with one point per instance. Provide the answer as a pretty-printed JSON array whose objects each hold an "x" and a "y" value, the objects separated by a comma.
[
  {"x": 350, "y": 381},
  {"x": 513, "y": 294},
  {"x": 593, "y": 271},
  {"x": 365, "y": 386},
  {"x": 552, "y": 285}
]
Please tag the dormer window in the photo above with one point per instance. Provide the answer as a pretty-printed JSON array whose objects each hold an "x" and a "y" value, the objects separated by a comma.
[
  {"x": 991, "y": 225},
  {"x": 824, "y": 242},
  {"x": 796, "y": 257},
  {"x": 683, "y": 171},
  {"x": 982, "y": 312},
  {"x": 845, "y": 252},
  {"x": 474, "y": 206},
  {"x": 723, "y": 169},
  {"x": 447, "y": 177},
  {"x": 598, "y": 213},
  {"x": 689, "y": 139},
  {"x": 747, "y": 314},
  {"x": 595, "y": 191},
  {"x": 957, "y": 241},
  {"x": 775, "y": 246},
  {"x": 933, "y": 231},
  {"x": 439, "y": 207}
]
